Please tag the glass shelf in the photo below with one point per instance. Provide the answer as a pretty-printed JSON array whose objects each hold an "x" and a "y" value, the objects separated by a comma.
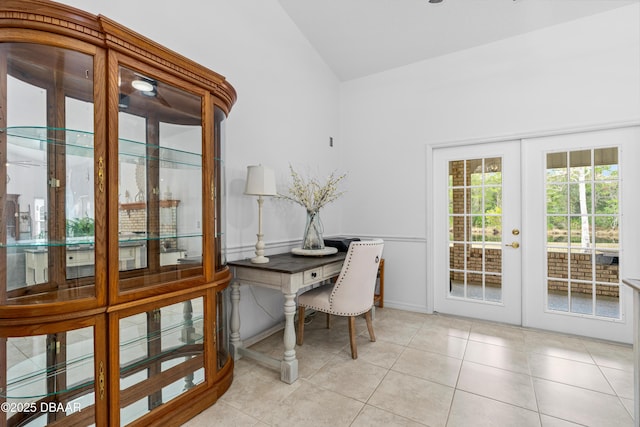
[
  {"x": 22, "y": 387},
  {"x": 82, "y": 144},
  {"x": 90, "y": 243},
  {"x": 133, "y": 152},
  {"x": 143, "y": 238},
  {"x": 65, "y": 359},
  {"x": 172, "y": 344},
  {"x": 172, "y": 330},
  {"x": 37, "y": 138},
  {"x": 43, "y": 244}
]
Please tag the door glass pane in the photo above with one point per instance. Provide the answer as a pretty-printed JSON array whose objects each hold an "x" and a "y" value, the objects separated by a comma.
[
  {"x": 48, "y": 243},
  {"x": 580, "y": 165},
  {"x": 580, "y": 198},
  {"x": 556, "y": 167},
  {"x": 557, "y": 198},
  {"x": 557, "y": 230},
  {"x": 475, "y": 198},
  {"x": 493, "y": 259},
  {"x": 583, "y": 241},
  {"x": 160, "y": 181},
  {"x": 475, "y": 229},
  {"x": 474, "y": 287},
  {"x": 558, "y": 295},
  {"x": 473, "y": 172},
  {"x": 581, "y": 297},
  {"x": 607, "y": 297},
  {"x": 493, "y": 228},
  {"x": 606, "y": 163},
  {"x": 493, "y": 285}
]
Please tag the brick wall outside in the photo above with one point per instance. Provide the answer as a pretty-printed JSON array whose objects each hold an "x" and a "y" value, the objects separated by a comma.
[
  {"x": 135, "y": 221},
  {"x": 557, "y": 264}
]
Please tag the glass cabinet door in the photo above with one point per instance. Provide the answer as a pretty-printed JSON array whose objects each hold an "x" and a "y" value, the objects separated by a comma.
[
  {"x": 47, "y": 156},
  {"x": 160, "y": 215},
  {"x": 219, "y": 186},
  {"x": 161, "y": 355},
  {"x": 51, "y": 377}
]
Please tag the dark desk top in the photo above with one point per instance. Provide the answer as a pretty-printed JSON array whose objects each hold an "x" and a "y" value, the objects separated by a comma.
[{"x": 289, "y": 263}]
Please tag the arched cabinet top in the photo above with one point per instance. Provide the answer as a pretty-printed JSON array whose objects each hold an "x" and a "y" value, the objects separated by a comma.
[{"x": 56, "y": 18}]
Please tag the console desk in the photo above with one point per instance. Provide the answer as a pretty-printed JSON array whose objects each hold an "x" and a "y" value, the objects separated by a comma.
[{"x": 287, "y": 273}]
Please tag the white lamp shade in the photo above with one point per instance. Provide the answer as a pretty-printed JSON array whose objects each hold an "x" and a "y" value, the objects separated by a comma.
[{"x": 261, "y": 181}]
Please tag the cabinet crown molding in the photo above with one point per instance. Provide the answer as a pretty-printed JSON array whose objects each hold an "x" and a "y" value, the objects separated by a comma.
[{"x": 103, "y": 32}]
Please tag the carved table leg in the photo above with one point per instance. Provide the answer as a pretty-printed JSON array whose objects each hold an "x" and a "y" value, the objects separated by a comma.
[
  {"x": 234, "y": 323},
  {"x": 289, "y": 365}
]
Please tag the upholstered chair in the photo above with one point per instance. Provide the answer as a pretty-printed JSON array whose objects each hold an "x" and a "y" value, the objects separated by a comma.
[{"x": 352, "y": 293}]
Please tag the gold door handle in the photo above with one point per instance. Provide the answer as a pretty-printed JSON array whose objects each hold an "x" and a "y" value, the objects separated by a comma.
[{"x": 514, "y": 245}]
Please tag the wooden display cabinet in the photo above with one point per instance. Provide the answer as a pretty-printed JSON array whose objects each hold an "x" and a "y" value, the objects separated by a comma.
[{"x": 112, "y": 297}]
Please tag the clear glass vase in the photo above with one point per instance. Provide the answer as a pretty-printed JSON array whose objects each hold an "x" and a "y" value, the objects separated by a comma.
[{"x": 312, "y": 238}]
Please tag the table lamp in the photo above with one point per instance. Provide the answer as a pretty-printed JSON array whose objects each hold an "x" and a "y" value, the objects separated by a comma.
[{"x": 261, "y": 181}]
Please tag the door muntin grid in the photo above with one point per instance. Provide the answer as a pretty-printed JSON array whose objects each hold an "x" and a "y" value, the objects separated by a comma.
[
  {"x": 582, "y": 192},
  {"x": 475, "y": 229}
]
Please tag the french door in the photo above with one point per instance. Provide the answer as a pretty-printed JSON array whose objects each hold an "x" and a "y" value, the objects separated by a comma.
[
  {"x": 477, "y": 254},
  {"x": 539, "y": 231},
  {"x": 581, "y": 228}
]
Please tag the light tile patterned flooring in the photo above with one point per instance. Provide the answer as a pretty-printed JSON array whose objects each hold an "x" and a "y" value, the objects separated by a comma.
[{"x": 433, "y": 370}]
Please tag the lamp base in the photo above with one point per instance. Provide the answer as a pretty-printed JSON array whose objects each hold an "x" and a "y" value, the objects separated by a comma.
[{"x": 260, "y": 259}]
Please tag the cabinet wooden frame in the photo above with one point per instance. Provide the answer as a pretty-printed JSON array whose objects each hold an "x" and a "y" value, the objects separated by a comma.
[
  {"x": 167, "y": 281},
  {"x": 191, "y": 402},
  {"x": 96, "y": 295},
  {"x": 98, "y": 300},
  {"x": 53, "y": 328}
]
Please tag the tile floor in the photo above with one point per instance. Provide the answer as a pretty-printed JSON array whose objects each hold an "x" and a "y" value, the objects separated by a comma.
[{"x": 433, "y": 370}]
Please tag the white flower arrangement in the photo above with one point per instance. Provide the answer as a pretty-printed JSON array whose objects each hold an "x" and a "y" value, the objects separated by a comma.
[{"x": 310, "y": 193}]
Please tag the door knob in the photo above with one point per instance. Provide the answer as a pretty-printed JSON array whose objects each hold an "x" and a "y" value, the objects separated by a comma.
[{"x": 514, "y": 245}]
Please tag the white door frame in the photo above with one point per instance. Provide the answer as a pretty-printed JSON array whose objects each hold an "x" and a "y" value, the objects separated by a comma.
[
  {"x": 429, "y": 185},
  {"x": 535, "y": 314},
  {"x": 508, "y": 310}
]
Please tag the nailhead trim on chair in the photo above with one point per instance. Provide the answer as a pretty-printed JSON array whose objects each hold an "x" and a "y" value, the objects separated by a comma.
[
  {"x": 359, "y": 295},
  {"x": 347, "y": 264},
  {"x": 346, "y": 269}
]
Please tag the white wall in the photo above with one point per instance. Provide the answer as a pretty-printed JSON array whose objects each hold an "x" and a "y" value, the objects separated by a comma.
[
  {"x": 583, "y": 72},
  {"x": 286, "y": 110},
  {"x": 580, "y": 73}
]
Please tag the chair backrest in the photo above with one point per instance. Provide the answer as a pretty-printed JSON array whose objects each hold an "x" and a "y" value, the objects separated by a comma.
[{"x": 352, "y": 293}]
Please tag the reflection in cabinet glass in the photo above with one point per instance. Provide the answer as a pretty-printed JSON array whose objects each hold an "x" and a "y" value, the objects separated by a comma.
[
  {"x": 173, "y": 344},
  {"x": 220, "y": 184},
  {"x": 47, "y": 161},
  {"x": 163, "y": 157},
  {"x": 112, "y": 261},
  {"x": 50, "y": 377}
]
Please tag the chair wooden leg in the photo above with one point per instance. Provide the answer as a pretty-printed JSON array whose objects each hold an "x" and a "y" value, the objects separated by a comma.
[
  {"x": 352, "y": 337},
  {"x": 328, "y": 321},
  {"x": 300, "y": 334},
  {"x": 367, "y": 317}
]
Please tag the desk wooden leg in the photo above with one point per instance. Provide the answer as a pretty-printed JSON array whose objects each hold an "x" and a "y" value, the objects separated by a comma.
[
  {"x": 234, "y": 322},
  {"x": 289, "y": 365}
]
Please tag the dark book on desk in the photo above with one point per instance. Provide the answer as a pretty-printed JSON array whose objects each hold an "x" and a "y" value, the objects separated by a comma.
[{"x": 340, "y": 242}]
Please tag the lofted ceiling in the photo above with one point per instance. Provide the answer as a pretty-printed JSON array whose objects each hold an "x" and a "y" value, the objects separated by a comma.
[{"x": 361, "y": 37}]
